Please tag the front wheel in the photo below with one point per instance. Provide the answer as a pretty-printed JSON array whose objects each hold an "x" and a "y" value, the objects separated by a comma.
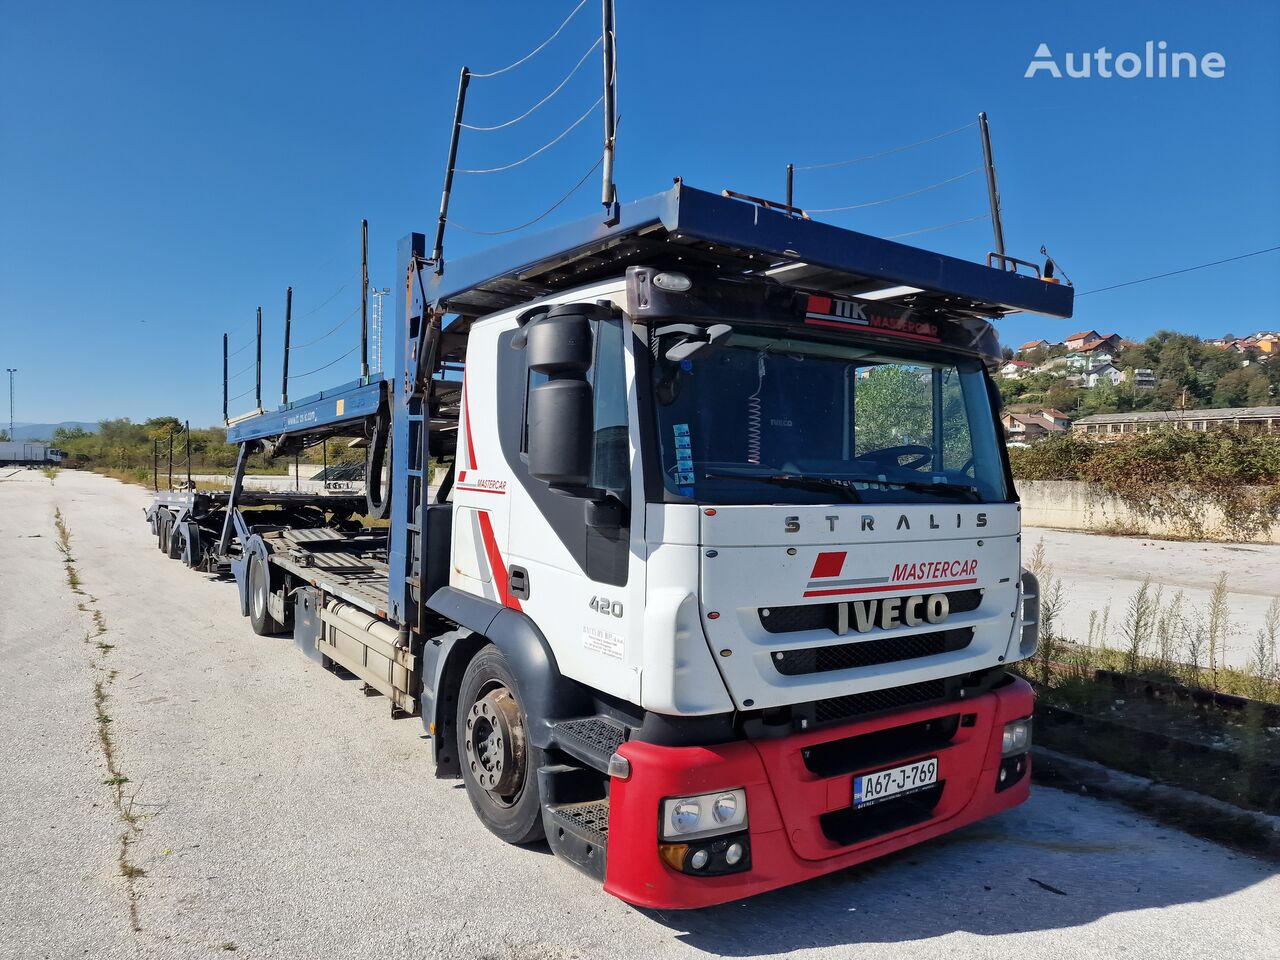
[{"x": 499, "y": 764}]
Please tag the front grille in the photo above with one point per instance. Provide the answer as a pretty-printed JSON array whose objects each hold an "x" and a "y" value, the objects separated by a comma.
[
  {"x": 882, "y": 747},
  {"x": 823, "y": 616},
  {"x": 867, "y": 653},
  {"x": 876, "y": 701}
]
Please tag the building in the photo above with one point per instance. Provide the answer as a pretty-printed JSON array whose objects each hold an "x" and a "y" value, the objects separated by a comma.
[
  {"x": 1269, "y": 343},
  {"x": 1029, "y": 427},
  {"x": 1034, "y": 345},
  {"x": 1102, "y": 425},
  {"x": 1103, "y": 372},
  {"x": 1077, "y": 340},
  {"x": 1014, "y": 369},
  {"x": 1143, "y": 378}
]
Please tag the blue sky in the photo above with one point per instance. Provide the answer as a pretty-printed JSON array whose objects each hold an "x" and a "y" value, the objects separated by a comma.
[{"x": 165, "y": 168}]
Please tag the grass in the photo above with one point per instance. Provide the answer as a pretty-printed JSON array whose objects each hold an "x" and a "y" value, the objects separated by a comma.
[{"x": 50, "y": 472}]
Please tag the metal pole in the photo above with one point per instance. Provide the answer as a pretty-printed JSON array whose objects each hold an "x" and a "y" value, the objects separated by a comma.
[
  {"x": 187, "y": 427},
  {"x": 170, "y": 459},
  {"x": 225, "y": 418},
  {"x": 608, "y": 192},
  {"x": 155, "y": 464},
  {"x": 288, "y": 327},
  {"x": 993, "y": 192},
  {"x": 791, "y": 179},
  {"x": 257, "y": 386},
  {"x": 12, "y": 371},
  {"x": 297, "y": 472},
  {"x": 437, "y": 252},
  {"x": 364, "y": 299}
]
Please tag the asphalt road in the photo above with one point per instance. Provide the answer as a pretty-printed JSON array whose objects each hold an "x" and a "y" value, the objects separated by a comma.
[{"x": 280, "y": 813}]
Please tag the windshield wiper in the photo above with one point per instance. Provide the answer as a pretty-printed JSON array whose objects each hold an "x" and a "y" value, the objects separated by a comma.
[
  {"x": 820, "y": 484},
  {"x": 924, "y": 486}
]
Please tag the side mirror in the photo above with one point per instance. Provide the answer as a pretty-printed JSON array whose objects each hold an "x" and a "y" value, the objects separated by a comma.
[{"x": 560, "y": 413}]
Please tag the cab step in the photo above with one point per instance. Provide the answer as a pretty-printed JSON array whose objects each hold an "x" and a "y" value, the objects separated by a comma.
[
  {"x": 593, "y": 740},
  {"x": 575, "y": 818}
]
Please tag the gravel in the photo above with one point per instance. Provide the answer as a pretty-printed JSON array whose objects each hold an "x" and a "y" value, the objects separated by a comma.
[{"x": 284, "y": 814}]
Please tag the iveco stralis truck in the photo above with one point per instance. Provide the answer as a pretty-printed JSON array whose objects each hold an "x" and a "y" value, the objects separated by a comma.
[{"x": 722, "y": 584}]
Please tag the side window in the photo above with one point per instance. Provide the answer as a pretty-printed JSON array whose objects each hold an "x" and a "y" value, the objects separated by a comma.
[{"x": 610, "y": 461}]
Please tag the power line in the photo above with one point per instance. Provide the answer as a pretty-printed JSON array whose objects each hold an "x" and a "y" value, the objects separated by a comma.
[
  {"x": 299, "y": 376},
  {"x": 1174, "y": 273},
  {"x": 901, "y": 196},
  {"x": 239, "y": 395},
  {"x": 341, "y": 323},
  {"x": 242, "y": 349},
  {"x": 943, "y": 226},
  {"x": 500, "y": 126},
  {"x": 497, "y": 233},
  {"x": 333, "y": 296},
  {"x": 244, "y": 371},
  {"x": 536, "y": 50},
  {"x": 885, "y": 153},
  {"x": 564, "y": 133}
]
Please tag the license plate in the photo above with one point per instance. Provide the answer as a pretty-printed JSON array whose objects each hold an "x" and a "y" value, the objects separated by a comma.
[{"x": 896, "y": 781}]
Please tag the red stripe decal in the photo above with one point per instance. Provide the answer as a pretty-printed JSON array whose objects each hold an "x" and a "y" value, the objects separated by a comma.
[
  {"x": 497, "y": 568},
  {"x": 891, "y": 586},
  {"x": 828, "y": 565},
  {"x": 868, "y": 329},
  {"x": 466, "y": 415},
  {"x": 481, "y": 490}
]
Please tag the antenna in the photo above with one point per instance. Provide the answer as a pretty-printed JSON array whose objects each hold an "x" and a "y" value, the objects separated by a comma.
[{"x": 377, "y": 295}]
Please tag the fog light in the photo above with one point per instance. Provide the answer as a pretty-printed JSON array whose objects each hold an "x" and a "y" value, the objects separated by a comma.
[
  {"x": 675, "y": 282},
  {"x": 699, "y": 859},
  {"x": 704, "y": 815},
  {"x": 733, "y": 855}
]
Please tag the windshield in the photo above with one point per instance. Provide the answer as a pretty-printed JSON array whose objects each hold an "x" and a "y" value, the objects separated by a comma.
[{"x": 757, "y": 419}]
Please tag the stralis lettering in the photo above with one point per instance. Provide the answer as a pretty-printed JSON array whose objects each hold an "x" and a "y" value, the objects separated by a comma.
[{"x": 934, "y": 570}]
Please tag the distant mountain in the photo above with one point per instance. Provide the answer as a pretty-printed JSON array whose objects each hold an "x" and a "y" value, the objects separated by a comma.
[{"x": 44, "y": 431}]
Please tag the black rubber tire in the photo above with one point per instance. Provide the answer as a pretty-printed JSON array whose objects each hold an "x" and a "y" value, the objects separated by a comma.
[
  {"x": 162, "y": 527},
  {"x": 516, "y": 819},
  {"x": 377, "y": 492},
  {"x": 173, "y": 543},
  {"x": 259, "y": 574}
]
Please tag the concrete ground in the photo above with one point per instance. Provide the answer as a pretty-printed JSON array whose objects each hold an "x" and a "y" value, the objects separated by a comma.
[
  {"x": 279, "y": 813},
  {"x": 1101, "y": 573}
]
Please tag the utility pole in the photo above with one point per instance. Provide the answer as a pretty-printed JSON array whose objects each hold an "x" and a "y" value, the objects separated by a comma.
[{"x": 12, "y": 371}]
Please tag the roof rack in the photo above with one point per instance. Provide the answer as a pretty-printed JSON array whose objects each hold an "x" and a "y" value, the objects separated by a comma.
[{"x": 692, "y": 228}]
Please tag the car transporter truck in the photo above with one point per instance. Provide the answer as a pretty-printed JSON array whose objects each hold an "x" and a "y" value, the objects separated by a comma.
[{"x": 721, "y": 583}]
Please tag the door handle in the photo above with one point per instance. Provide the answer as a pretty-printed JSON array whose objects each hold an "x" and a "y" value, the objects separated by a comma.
[{"x": 518, "y": 583}]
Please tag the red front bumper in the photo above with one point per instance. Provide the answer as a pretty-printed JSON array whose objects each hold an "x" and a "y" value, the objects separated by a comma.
[{"x": 785, "y": 800}]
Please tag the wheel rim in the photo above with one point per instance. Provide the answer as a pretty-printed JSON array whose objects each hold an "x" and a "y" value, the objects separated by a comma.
[{"x": 494, "y": 744}]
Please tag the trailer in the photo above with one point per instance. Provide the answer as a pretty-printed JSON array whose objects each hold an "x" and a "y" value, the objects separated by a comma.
[
  {"x": 29, "y": 453},
  {"x": 720, "y": 584}
]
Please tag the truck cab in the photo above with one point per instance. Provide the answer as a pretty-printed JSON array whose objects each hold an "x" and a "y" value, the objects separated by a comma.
[{"x": 763, "y": 528}]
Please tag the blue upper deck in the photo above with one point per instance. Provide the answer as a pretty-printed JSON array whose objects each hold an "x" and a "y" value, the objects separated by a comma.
[{"x": 688, "y": 227}]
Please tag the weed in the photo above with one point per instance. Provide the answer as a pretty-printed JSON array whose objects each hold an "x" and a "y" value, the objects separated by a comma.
[
  {"x": 1138, "y": 624},
  {"x": 1217, "y": 626},
  {"x": 116, "y": 781},
  {"x": 1264, "y": 663},
  {"x": 50, "y": 472}
]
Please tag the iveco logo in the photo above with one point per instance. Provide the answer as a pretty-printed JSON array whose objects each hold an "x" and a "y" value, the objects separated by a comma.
[{"x": 867, "y": 522}]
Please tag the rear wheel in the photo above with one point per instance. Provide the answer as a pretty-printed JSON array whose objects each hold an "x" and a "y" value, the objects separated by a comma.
[
  {"x": 264, "y": 625},
  {"x": 162, "y": 528},
  {"x": 499, "y": 764}
]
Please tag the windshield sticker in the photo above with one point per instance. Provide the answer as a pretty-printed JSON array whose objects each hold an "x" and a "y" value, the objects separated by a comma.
[{"x": 684, "y": 455}]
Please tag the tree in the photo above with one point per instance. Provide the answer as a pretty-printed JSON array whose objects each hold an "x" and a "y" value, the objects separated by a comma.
[
  {"x": 65, "y": 436},
  {"x": 1240, "y": 386}
]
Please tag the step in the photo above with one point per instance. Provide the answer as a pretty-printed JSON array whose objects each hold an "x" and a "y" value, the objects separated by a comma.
[
  {"x": 593, "y": 740},
  {"x": 579, "y": 833}
]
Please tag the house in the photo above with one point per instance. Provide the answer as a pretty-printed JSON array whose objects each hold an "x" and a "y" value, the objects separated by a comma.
[
  {"x": 1034, "y": 345},
  {"x": 1143, "y": 378},
  {"x": 1028, "y": 427},
  {"x": 1014, "y": 369},
  {"x": 1076, "y": 340},
  {"x": 1078, "y": 362},
  {"x": 1269, "y": 343},
  {"x": 1107, "y": 372}
]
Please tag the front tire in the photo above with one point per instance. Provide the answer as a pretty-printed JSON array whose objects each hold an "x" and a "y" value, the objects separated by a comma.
[{"x": 499, "y": 763}]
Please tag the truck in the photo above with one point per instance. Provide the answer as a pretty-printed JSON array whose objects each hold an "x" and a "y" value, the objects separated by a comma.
[
  {"x": 29, "y": 453},
  {"x": 720, "y": 584}
]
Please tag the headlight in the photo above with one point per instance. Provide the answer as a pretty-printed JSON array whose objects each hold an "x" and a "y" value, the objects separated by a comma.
[
  {"x": 1017, "y": 737},
  {"x": 704, "y": 815}
]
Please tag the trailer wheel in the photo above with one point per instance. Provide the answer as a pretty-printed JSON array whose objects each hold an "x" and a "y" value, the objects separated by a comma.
[
  {"x": 162, "y": 525},
  {"x": 173, "y": 541},
  {"x": 499, "y": 764},
  {"x": 264, "y": 625}
]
